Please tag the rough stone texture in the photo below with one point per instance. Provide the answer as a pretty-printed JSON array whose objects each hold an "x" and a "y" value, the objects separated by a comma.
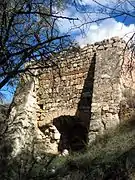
[
  {"x": 85, "y": 87},
  {"x": 107, "y": 90},
  {"x": 22, "y": 124}
]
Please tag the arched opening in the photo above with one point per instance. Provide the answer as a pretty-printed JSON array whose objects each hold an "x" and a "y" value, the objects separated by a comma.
[{"x": 73, "y": 133}]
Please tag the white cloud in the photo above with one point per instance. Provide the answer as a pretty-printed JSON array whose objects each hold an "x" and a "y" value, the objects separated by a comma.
[
  {"x": 91, "y": 2},
  {"x": 70, "y": 26},
  {"x": 94, "y": 32},
  {"x": 107, "y": 29},
  {"x": 64, "y": 24},
  {"x": 81, "y": 24}
]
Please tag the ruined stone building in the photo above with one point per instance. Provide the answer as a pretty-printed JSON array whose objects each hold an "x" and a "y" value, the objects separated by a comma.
[{"x": 69, "y": 105}]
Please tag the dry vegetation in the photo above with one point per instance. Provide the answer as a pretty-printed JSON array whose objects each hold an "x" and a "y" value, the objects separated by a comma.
[{"x": 111, "y": 157}]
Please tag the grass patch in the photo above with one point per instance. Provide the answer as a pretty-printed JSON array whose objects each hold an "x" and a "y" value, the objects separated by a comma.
[{"x": 111, "y": 156}]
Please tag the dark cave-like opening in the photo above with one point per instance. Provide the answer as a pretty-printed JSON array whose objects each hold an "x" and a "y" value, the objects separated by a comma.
[{"x": 73, "y": 132}]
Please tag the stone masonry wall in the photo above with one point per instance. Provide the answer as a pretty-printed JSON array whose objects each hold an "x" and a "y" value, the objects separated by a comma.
[
  {"x": 80, "y": 96},
  {"x": 86, "y": 85},
  {"x": 22, "y": 125},
  {"x": 59, "y": 92},
  {"x": 107, "y": 91}
]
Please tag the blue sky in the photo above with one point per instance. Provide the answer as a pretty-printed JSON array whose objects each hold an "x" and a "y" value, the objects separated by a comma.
[
  {"x": 92, "y": 32},
  {"x": 127, "y": 22},
  {"x": 7, "y": 93}
]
